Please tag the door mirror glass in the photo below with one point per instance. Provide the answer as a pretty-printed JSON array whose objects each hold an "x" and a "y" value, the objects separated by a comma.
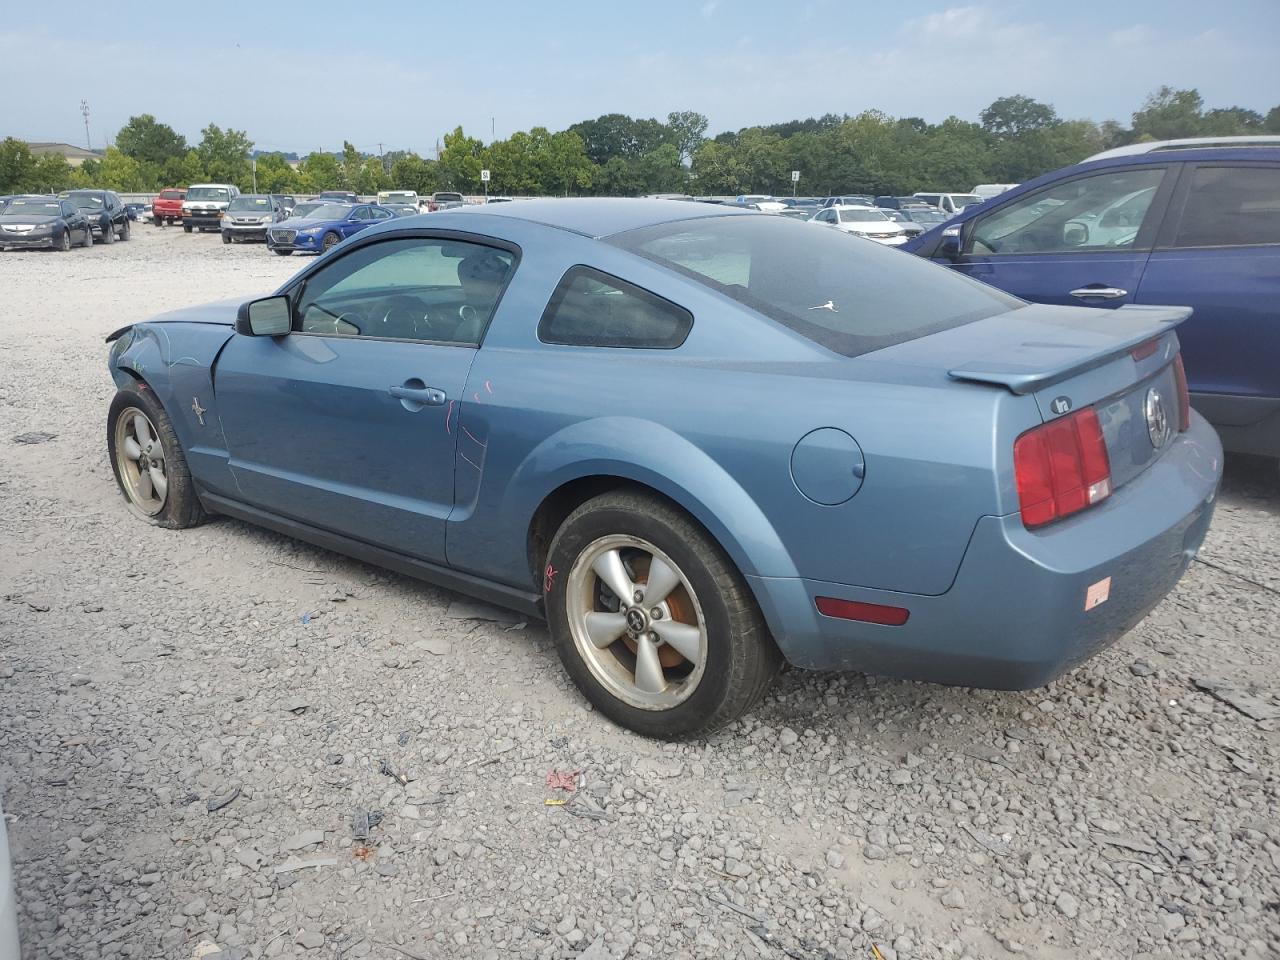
[
  {"x": 268, "y": 317},
  {"x": 949, "y": 248},
  {"x": 1074, "y": 235}
]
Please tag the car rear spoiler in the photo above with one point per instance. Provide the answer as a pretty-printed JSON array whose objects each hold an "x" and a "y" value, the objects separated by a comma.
[{"x": 1030, "y": 365}]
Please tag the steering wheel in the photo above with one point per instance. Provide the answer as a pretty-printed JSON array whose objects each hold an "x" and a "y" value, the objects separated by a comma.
[{"x": 404, "y": 317}]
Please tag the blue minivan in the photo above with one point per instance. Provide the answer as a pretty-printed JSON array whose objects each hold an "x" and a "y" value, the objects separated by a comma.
[{"x": 1189, "y": 223}]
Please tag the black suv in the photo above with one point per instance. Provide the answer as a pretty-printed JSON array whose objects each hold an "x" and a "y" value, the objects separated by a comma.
[{"x": 105, "y": 211}]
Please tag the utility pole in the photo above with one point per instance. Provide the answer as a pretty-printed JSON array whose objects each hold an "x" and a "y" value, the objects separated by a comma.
[
  {"x": 493, "y": 126},
  {"x": 84, "y": 110}
]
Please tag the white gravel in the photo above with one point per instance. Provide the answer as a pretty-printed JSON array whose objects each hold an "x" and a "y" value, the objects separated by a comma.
[{"x": 147, "y": 675}]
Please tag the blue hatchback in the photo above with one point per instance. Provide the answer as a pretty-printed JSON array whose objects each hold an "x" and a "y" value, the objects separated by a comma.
[{"x": 1194, "y": 223}]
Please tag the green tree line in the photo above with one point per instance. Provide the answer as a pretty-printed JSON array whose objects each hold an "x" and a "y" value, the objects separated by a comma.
[{"x": 1013, "y": 139}]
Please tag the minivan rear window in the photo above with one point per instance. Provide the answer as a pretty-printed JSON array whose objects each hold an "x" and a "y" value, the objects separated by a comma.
[{"x": 844, "y": 292}]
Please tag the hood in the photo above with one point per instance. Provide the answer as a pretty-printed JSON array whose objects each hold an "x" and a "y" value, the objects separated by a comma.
[{"x": 219, "y": 311}]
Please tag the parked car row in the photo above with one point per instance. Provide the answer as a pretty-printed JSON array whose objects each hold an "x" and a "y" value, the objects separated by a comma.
[{"x": 72, "y": 218}]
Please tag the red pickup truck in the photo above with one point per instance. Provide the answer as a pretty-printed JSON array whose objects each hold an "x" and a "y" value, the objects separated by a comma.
[{"x": 167, "y": 207}]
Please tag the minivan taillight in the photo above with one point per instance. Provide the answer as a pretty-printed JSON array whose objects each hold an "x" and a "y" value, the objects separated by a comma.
[
  {"x": 1184, "y": 395},
  {"x": 1061, "y": 467}
]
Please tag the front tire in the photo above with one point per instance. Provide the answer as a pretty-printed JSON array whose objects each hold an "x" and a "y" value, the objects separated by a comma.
[
  {"x": 186, "y": 227},
  {"x": 330, "y": 241},
  {"x": 88, "y": 237},
  {"x": 64, "y": 242},
  {"x": 652, "y": 620},
  {"x": 109, "y": 233},
  {"x": 125, "y": 231},
  {"x": 226, "y": 238},
  {"x": 148, "y": 461}
]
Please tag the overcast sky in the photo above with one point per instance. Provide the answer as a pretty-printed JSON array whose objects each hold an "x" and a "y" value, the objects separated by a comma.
[{"x": 306, "y": 76}]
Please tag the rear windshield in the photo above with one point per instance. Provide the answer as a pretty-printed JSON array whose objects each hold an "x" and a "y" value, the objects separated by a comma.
[
  {"x": 171, "y": 194},
  {"x": 448, "y": 196},
  {"x": 838, "y": 290}
]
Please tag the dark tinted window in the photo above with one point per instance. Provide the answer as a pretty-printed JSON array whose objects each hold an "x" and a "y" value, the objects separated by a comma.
[
  {"x": 593, "y": 309},
  {"x": 1231, "y": 206},
  {"x": 838, "y": 290}
]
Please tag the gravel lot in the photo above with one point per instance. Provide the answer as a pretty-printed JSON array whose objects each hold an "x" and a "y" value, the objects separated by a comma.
[{"x": 200, "y": 729}]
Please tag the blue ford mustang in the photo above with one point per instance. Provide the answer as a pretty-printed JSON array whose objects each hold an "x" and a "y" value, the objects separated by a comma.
[
  {"x": 698, "y": 440},
  {"x": 323, "y": 228}
]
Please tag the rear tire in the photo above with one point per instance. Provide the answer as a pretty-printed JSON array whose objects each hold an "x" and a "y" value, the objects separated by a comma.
[
  {"x": 176, "y": 506},
  {"x": 186, "y": 227},
  {"x": 725, "y": 659},
  {"x": 158, "y": 221}
]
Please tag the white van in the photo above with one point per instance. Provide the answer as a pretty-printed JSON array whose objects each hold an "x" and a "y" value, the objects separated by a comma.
[
  {"x": 949, "y": 203},
  {"x": 398, "y": 196},
  {"x": 205, "y": 203}
]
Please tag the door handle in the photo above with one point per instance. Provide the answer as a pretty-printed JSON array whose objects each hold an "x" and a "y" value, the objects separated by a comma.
[
  {"x": 1102, "y": 293},
  {"x": 428, "y": 396}
]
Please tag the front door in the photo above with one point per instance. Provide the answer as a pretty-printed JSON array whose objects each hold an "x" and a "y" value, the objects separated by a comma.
[
  {"x": 1081, "y": 242},
  {"x": 349, "y": 423}
]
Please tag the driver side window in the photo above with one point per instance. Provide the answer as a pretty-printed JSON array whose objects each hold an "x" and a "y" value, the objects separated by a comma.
[
  {"x": 1098, "y": 213},
  {"x": 417, "y": 288}
]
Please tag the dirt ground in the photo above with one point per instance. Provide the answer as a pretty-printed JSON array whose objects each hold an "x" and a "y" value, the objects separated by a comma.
[{"x": 223, "y": 743}]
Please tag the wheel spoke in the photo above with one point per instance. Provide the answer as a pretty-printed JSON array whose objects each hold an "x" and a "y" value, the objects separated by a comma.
[
  {"x": 605, "y": 628},
  {"x": 662, "y": 580},
  {"x": 684, "y": 637},
  {"x": 608, "y": 567},
  {"x": 145, "y": 490},
  {"x": 649, "y": 677},
  {"x": 160, "y": 483},
  {"x": 141, "y": 430},
  {"x": 131, "y": 448}
]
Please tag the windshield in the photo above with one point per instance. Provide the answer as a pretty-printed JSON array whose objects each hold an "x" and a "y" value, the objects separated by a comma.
[
  {"x": 208, "y": 193},
  {"x": 34, "y": 207},
  {"x": 86, "y": 201},
  {"x": 171, "y": 194},
  {"x": 924, "y": 216},
  {"x": 448, "y": 196},
  {"x": 259, "y": 204},
  {"x": 304, "y": 210},
  {"x": 400, "y": 197},
  {"x": 862, "y": 216},
  {"x": 849, "y": 295},
  {"x": 328, "y": 211}
]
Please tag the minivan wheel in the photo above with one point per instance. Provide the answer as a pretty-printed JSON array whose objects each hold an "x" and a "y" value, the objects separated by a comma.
[
  {"x": 652, "y": 620},
  {"x": 148, "y": 461}
]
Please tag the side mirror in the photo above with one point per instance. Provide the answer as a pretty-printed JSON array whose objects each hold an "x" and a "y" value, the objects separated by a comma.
[
  {"x": 949, "y": 247},
  {"x": 268, "y": 317},
  {"x": 1074, "y": 234}
]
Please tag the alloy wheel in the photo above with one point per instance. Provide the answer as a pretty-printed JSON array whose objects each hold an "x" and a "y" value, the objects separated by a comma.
[
  {"x": 636, "y": 622},
  {"x": 140, "y": 457}
]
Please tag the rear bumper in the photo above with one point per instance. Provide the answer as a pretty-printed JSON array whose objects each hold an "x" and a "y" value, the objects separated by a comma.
[{"x": 1015, "y": 616}]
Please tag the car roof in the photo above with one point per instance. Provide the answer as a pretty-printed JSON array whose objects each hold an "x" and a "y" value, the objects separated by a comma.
[
  {"x": 601, "y": 216},
  {"x": 1186, "y": 143}
]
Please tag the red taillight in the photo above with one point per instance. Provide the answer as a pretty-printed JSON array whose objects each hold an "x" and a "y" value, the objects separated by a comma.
[
  {"x": 866, "y": 612},
  {"x": 432, "y": 207},
  {"x": 1184, "y": 395},
  {"x": 1061, "y": 468}
]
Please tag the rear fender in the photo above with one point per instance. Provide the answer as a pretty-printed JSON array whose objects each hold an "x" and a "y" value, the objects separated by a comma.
[{"x": 650, "y": 454}]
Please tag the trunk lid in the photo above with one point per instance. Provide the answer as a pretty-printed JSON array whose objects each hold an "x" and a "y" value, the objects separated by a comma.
[{"x": 1119, "y": 362}]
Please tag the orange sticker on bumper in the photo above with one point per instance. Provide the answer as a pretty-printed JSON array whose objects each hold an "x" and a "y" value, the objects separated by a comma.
[{"x": 1097, "y": 593}]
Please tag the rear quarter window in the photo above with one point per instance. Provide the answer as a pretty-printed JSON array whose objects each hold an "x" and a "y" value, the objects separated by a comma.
[
  {"x": 593, "y": 309},
  {"x": 847, "y": 293},
  {"x": 1231, "y": 206}
]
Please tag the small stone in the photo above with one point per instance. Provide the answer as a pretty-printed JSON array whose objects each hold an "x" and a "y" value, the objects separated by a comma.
[
  {"x": 900, "y": 777},
  {"x": 873, "y": 851},
  {"x": 834, "y": 860},
  {"x": 1140, "y": 668},
  {"x": 566, "y": 924},
  {"x": 788, "y": 737},
  {"x": 194, "y": 908},
  {"x": 953, "y": 899},
  {"x": 1171, "y": 923},
  {"x": 1067, "y": 905},
  {"x": 310, "y": 939}
]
